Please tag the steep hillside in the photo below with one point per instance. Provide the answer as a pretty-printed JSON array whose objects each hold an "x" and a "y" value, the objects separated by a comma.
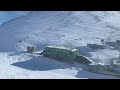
[{"x": 57, "y": 27}]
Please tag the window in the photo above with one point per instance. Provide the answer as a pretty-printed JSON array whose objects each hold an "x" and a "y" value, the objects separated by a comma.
[
  {"x": 63, "y": 50},
  {"x": 67, "y": 51},
  {"x": 46, "y": 49},
  {"x": 68, "y": 55}
]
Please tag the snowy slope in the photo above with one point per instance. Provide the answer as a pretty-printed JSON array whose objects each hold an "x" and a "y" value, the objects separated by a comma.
[
  {"x": 8, "y": 15},
  {"x": 76, "y": 28},
  {"x": 59, "y": 27}
]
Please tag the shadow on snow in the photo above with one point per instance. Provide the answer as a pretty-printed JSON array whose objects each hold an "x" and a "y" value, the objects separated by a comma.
[{"x": 41, "y": 64}]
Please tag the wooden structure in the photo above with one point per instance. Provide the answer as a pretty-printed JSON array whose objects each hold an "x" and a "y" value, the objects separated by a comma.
[{"x": 30, "y": 49}]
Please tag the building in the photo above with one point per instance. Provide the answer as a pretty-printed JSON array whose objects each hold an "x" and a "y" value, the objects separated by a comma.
[
  {"x": 30, "y": 49},
  {"x": 105, "y": 68},
  {"x": 97, "y": 68},
  {"x": 61, "y": 53},
  {"x": 117, "y": 45},
  {"x": 96, "y": 46}
]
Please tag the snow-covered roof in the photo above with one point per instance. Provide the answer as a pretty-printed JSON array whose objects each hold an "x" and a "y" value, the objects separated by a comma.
[
  {"x": 94, "y": 63},
  {"x": 60, "y": 47}
]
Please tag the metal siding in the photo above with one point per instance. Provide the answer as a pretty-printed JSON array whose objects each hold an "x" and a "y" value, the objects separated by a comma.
[{"x": 60, "y": 53}]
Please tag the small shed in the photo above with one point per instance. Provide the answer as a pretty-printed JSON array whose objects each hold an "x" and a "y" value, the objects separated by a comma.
[
  {"x": 96, "y": 46},
  {"x": 109, "y": 43},
  {"x": 97, "y": 68},
  {"x": 117, "y": 45},
  {"x": 30, "y": 49}
]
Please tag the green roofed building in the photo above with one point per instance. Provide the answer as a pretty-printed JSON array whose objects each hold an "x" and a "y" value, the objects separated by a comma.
[{"x": 61, "y": 53}]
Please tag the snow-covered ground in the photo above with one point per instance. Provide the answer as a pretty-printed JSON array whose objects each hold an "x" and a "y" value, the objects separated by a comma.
[
  {"x": 18, "y": 65},
  {"x": 42, "y": 28}
]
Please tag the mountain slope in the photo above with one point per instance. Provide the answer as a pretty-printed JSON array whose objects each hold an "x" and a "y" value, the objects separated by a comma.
[{"x": 59, "y": 27}]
